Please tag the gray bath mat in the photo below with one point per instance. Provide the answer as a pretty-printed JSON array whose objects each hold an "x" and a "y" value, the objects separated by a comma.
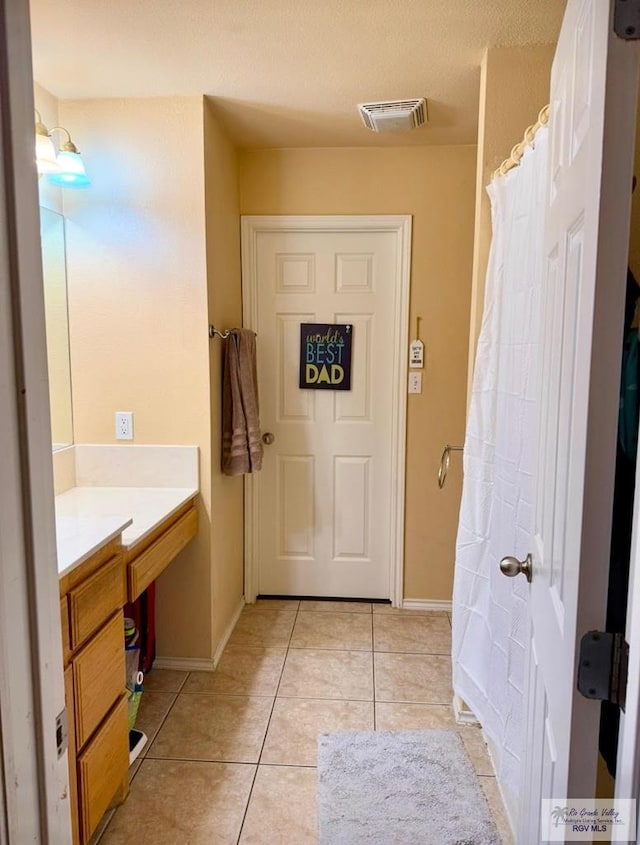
[{"x": 400, "y": 788}]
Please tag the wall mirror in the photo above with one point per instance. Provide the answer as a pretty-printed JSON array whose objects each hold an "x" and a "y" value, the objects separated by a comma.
[{"x": 57, "y": 321}]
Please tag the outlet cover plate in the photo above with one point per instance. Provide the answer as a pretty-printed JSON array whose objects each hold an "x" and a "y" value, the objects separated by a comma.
[{"x": 124, "y": 425}]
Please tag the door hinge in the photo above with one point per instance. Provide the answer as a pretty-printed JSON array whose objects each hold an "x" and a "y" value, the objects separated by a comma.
[
  {"x": 602, "y": 670},
  {"x": 626, "y": 19},
  {"x": 62, "y": 732}
]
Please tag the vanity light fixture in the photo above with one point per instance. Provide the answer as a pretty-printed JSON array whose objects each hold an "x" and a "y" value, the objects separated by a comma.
[
  {"x": 72, "y": 173},
  {"x": 66, "y": 169}
]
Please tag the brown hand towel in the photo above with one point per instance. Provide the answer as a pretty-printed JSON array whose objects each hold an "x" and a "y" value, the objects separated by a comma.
[{"x": 241, "y": 440}]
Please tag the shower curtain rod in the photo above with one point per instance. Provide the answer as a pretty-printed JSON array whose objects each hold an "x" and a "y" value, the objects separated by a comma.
[{"x": 518, "y": 151}]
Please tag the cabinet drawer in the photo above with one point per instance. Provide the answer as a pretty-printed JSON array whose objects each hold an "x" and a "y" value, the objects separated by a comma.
[
  {"x": 98, "y": 677},
  {"x": 147, "y": 566},
  {"x": 64, "y": 629},
  {"x": 103, "y": 769},
  {"x": 96, "y": 599}
]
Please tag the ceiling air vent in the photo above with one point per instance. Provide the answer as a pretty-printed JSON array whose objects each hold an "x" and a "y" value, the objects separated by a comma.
[{"x": 394, "y": 115}]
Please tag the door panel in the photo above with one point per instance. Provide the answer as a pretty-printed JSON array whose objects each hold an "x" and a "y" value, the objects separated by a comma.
[
  {"x": 324, "y": 516},
  {"x": 295, "y": 485},
  {"x": 352, "y": 507},
  {"x": 293, "y": 404}
]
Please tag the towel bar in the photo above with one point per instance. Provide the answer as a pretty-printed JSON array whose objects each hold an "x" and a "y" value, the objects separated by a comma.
[{"x": 443, "y": 469}]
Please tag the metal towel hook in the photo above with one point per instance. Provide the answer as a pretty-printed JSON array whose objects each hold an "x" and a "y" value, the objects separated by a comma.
[
  {"x": 224, "y": 334},
  {"x": 213, "y": 332},
  {"x": 443, "y": 469}
]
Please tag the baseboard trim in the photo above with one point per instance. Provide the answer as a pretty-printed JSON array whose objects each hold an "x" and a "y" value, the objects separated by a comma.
[
  {"x": 202, "y": 664},
  {"x": 426, "y": 604},
  {"x": 511, "y": 808},
  {"x": 185, "y": 664},
  {"x": 492, "y": 752},
  {"x": 462, "y": 714},
  {"x": 227, "y": 632}
]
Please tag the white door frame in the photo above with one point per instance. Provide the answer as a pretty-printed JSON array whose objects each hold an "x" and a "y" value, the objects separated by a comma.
[
  {"x": 35, "y": 802},
  {"x": 400, "y": 226}
]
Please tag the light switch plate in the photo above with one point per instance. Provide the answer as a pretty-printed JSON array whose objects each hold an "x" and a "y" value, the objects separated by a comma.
[{"x": 415, "y": 382}]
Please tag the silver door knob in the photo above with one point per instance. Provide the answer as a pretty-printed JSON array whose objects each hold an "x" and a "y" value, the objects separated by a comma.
[
  {"x": 511, "y": 566},
  {"x": 268, "y": 438}
]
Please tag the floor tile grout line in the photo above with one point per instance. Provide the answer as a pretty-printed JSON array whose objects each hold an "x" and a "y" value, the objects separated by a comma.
[
  {"x": 293, "y": 766},
  {"x": 217, "y": 761},
  {"x": 366, "y": 650},
  {"x": 286, "y": 654},
  {"x": 264, "y": 739},
  {"x": 237, "y": 763},
  {"x": 355, "y": 649},
  {"x": 413, "y": 653},
  {"x": 413, "y": 701},
  {"x": 164, "y": 718},
  {"x": 190, "y": 693},
  {"x": 142, "y": 759},
  {"x": 373, "y": 669},
  {"x": 308, "y": 697}
]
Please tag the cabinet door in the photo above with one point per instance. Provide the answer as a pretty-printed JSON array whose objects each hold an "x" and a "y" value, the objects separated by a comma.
[{"x": 103, "y": 769}]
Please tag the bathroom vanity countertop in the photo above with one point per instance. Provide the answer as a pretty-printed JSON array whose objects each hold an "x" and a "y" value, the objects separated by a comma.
[
  {"x": 89, "y": 517},
  {"x": 79, "y": 535}
]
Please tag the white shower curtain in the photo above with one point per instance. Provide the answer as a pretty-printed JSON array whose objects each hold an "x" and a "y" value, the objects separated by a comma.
[{"x": 490, "y": 611}]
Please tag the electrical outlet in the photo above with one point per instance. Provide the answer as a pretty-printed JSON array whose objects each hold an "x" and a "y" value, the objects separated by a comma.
[
  {"x": 124, "y": 425},
  {"x": 415, "y": 382}
]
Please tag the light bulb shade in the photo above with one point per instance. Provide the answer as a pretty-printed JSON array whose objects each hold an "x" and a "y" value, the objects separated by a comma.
[
  {"x": 46, "y": 161},
  {"x": 71, "y": 172}
]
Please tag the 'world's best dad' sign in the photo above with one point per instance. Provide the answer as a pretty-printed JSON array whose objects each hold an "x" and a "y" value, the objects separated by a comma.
[{"x": 325, "y": 356}]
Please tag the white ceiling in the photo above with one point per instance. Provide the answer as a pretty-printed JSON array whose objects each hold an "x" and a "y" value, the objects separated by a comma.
[{"x": 287, "y": 73}]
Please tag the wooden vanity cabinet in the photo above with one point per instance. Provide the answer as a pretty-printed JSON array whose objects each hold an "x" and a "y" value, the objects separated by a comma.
[{"x": 92, "y": 597}]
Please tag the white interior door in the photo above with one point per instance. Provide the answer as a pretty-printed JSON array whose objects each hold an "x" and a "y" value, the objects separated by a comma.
[
  {"x": 593, "y": 106},
  {"x": 325, "y": 512}
]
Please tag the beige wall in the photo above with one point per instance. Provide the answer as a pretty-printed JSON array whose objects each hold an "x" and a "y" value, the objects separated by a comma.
[
  {"x": 225, "y": 310},
  {"x": 138, "y": 310},
  {"x": 436, "y": 186},
  {"x": 514, "y": 86}
]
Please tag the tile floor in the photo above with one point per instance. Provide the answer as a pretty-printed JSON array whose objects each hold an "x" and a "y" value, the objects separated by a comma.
[{"x": 231, "y": 754}]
